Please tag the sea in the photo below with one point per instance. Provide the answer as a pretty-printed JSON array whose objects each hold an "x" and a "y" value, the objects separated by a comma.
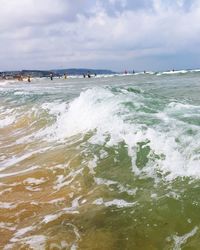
[{"x": 110, "y": 162}]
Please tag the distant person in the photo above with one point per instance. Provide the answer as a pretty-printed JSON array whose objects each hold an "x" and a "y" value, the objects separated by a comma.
[
  {"x": 51, "y": 76},
  {"x": 20, "y": 78},
  {"x": 29, "y": 79},
  {"x": 65, "y": 76},
  {"x": 133, "y": 71},
  {"x": 88, "y": 74},
  {"x": 144, "y": 71},
  {"x": 83, "y": 75},
  {"x": 125, "y": 72}
]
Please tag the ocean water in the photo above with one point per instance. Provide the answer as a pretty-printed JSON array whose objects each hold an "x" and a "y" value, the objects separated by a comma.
[{"x": 111, "y": 162}]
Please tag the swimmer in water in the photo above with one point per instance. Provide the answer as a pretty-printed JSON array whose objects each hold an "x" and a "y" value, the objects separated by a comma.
[
  {"x": 88, "y": 74},
  {"x": 20, "y": 78}
]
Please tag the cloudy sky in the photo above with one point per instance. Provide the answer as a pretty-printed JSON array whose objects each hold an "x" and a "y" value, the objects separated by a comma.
[{"x": 112, "y": 34}]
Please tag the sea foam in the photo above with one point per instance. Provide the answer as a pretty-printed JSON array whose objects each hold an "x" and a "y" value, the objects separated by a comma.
[{"x": 105, "y": 113}]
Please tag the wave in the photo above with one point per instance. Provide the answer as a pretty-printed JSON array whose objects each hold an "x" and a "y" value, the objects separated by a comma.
[
  {"x": 157, "y": 132},
  {"x": 163, "y": 137},
  {"x": 7, "y": 82}
]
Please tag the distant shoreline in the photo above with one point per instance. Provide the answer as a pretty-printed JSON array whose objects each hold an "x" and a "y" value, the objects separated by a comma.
[
  {"x": 85, "y": 73},
  {"x": 55, "y": 73}
]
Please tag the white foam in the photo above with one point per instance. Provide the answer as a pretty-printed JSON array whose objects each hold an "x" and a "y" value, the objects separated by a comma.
[
  {"x": 19, "y": 172},
  {"x": 33, "y": 189},
  {"x": 8, "y": 226},
  {"x": 67, "y": 210},
  {"x": 36, "y": 242},
  {"x": 50, "y": 217},
  {"x": 116, "y": 202},
  {"x": 93, "y": 109},
  {"x": 103, "y": 154},
  {"x": 56, "y": 200},
  {"x": 23, "y": 231},
  {"x": 7, "y": 190},
  {"x": 181, "y": 240},
  {"x": 121, "y": 188},
  {"x": 92, "y": 164},
  {"x": 7, "y": 116},
  {"x": 195, "y": 70},
  {"x": 172, "y": 72},
  {"x": 7, "y": 205},
  {"x": 21, "y": 93},
  {"x": 34, "y": 181},
  {"x": 63, "y": 181},
  {"x": 6, "y": 82},
  {"x": 55, "y": 108},
  {"x": 174, "y": 106},
  {"x": 14, "y": 160},
  {"x": 8, "y": 120}
]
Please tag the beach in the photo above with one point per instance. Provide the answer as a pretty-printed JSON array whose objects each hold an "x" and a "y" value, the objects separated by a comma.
[{"x": 110, "y": 162}]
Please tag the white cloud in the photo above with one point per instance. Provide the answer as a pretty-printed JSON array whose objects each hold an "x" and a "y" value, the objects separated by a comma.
[
  {"x": 67, "y": 34},
  {"x": 123, "y": 3},
  {"x": 16, "y": 13}
]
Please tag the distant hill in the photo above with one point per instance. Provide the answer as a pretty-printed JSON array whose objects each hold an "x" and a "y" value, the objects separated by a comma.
[
  {"x": 56, "y": 72},
  {"x": 36, "y": 73},
  {"x": 32, "y": 73},
  {"x": 75, "y": 71}
]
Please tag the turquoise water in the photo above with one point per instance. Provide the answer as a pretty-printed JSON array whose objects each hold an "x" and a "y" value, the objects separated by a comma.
[{"x": 111, "y": 162}]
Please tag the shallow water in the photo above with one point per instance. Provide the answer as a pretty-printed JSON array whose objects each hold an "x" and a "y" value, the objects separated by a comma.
[{"x": 102, "y": 163}]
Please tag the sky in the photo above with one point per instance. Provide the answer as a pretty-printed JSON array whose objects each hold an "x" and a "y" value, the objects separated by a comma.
[{"x": 106, "y": 34}]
